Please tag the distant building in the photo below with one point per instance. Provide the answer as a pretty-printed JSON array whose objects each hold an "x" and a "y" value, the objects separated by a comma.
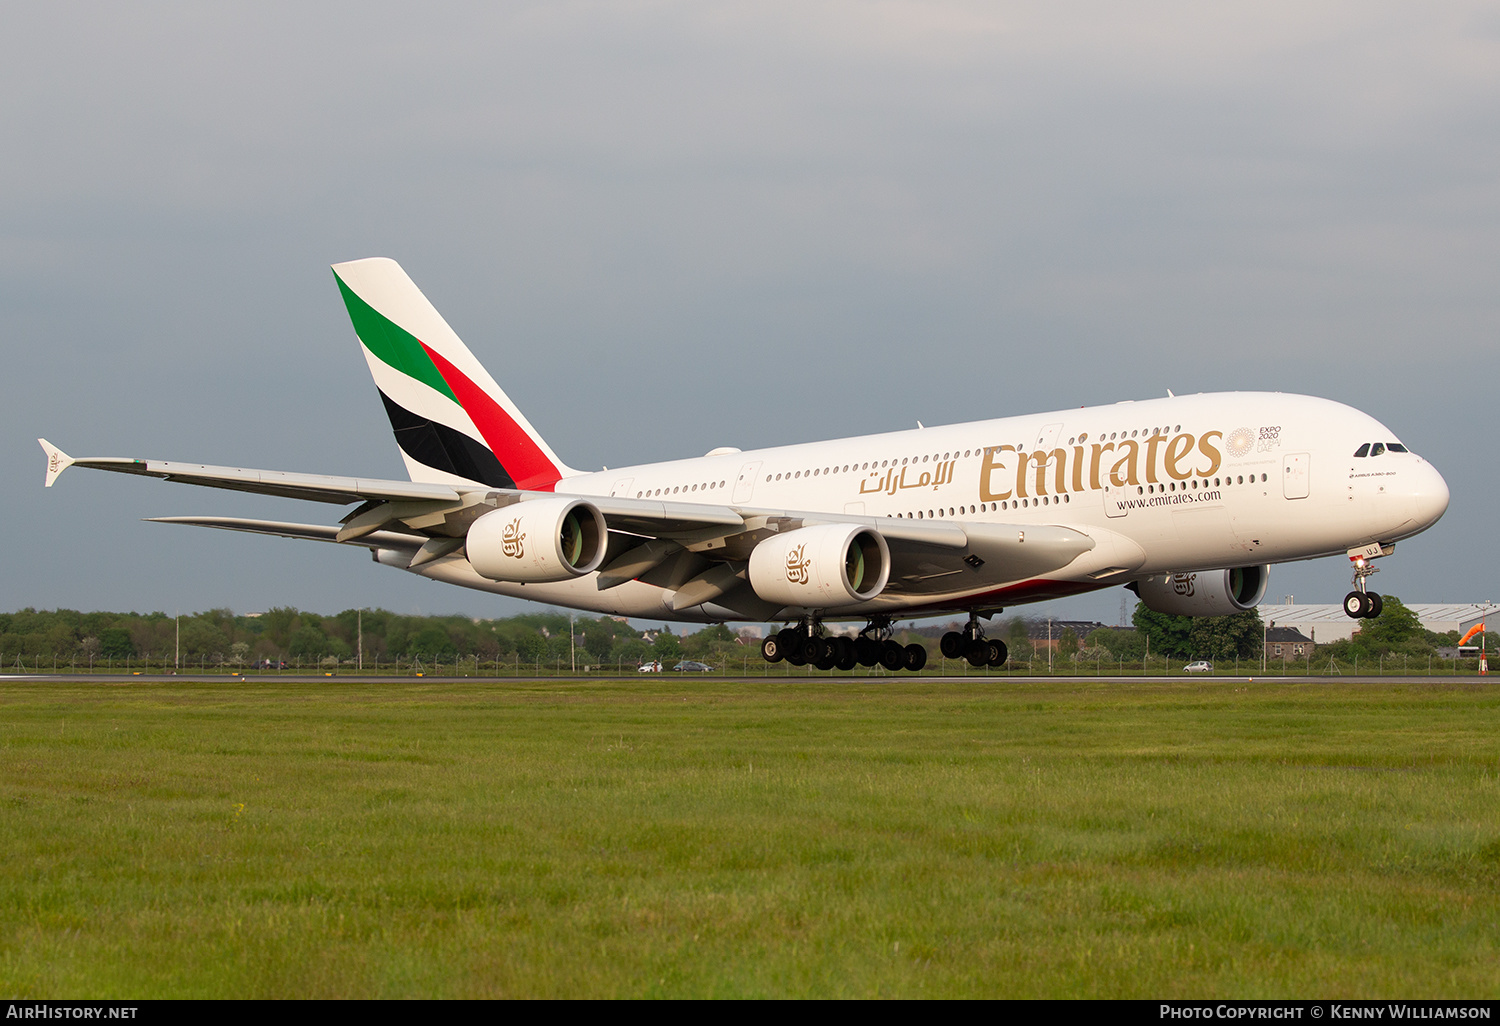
[
  {"x": 1287, "y": 643},
  {"x": 1044, "y": 637},
  {"x": 1324, "y": 623}
]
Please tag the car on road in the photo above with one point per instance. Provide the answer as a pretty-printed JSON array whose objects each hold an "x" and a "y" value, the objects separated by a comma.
[
  {"x": 650, "y": 667},
  {"x": 1201, "y": 666},
  {"x": 692, "y": 666}
]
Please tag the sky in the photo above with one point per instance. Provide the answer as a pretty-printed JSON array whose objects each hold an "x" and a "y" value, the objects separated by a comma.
[{"x": 666, "y": 227}]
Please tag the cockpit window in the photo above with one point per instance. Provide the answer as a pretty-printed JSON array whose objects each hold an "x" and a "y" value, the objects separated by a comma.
[
  {"x": 1378, "y": 449},
  {"x": 1397, "y": 447},
  {"x": 1363, "y": 450}
]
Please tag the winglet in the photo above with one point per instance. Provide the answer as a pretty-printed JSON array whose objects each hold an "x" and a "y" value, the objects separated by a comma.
[{"x": 57, "y": 460}]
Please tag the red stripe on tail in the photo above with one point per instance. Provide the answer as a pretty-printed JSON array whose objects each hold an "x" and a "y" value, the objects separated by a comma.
[{"x": 527, "y": 465}]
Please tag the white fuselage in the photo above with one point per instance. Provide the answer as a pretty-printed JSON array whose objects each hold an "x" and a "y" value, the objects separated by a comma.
[{"x": 1184, "y": 483}]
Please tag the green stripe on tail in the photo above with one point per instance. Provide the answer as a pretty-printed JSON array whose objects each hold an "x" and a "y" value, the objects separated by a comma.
[{"x": 390, "y": 343}]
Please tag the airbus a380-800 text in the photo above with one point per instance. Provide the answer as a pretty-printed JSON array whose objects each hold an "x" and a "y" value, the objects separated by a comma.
[{"x": 1187, "y": 500}]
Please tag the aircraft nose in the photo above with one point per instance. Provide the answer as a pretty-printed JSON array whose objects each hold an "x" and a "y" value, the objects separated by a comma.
[{"x": 1430, "y": 496}]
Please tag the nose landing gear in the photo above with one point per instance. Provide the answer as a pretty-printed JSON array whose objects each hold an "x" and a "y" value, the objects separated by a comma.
[{"x": 1362, "y": 604}]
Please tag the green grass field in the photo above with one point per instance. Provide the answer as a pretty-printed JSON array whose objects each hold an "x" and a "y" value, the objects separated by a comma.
[{"x": 824, "y": 837}]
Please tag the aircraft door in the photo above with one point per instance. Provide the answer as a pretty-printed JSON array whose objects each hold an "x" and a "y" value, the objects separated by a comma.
[
  {"x": 1114, "y": 501},
  {"x": 1295, "y": 475},
  {"x": 744, "y": 485},
  {"x": 622, "y": 486}
]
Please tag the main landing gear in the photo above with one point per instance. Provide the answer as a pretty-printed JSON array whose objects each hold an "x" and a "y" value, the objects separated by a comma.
[
  {"x": 1360, "y": 603},
  {"x": 805, "y": 643},
  {"x": 971, "y": 644}
]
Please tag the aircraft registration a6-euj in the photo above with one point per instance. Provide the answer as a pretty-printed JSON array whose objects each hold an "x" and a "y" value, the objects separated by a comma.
[{"x": 1187, "y": 500}]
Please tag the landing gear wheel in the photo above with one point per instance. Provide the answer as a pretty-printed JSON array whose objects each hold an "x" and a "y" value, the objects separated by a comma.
[
  {"x": 796, "y": 651},
  {"x": 1354, "y": 604},
  {"x": 844, "y": 657},
  {"x": 815, "y": 650},
  {"x": 916, "y": 657},
  {"x": 1374, "y": 603},
  {"x": 829, "y": 659},
  {"x": 892, "y": 656},
  {"x": 977, "y": 653},
  {"x": 772, "y": 650},
  {"x": 998, "y": 653},
  {"x": 952, "y": 645},
  {"x": 866, "y": 651}
]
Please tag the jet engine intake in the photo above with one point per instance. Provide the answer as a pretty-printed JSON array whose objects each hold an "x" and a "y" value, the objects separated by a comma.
[
  {"x": 538, "y": 540},
  {"x": 1205, "y": 593},
  {"x": 821, "y": 567}
]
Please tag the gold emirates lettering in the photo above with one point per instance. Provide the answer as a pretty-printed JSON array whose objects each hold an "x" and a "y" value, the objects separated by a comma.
[{"x": 1007, "y": 473}]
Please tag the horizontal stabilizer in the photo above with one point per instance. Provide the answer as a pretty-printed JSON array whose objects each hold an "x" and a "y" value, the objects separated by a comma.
[{"x": 304, "y": 532}]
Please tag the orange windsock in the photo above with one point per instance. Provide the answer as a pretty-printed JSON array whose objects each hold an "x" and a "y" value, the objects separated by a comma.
[{"x": 1476, "y": 629}]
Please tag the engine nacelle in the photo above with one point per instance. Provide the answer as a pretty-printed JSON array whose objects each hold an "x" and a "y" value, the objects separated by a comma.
[
  {"x": 538, "y": 540},
  {"x": 821, "y": 567},
  {"x": 1210, "y": 593}
]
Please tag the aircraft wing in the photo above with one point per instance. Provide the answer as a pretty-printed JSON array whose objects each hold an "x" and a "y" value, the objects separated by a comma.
[
  {"x": 662, "y": 543},
  {"x": 317, "y": 487}
]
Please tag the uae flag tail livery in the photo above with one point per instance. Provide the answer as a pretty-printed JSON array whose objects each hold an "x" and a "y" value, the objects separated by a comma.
[{"x": 454, "y": 424}]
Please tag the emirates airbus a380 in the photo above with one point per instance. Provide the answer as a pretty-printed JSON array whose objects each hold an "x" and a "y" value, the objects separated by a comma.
[{"x": 1186, "y": 500}]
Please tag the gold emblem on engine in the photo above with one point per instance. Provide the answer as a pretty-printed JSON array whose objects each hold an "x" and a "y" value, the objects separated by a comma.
[
  {"x": 511, "y": 539},
  {"x": 1184, "y": 584},
  {"x": 796, "y": 565}
]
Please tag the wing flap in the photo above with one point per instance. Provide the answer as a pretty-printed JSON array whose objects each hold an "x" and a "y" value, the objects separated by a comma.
[{"x": 651, "y": 518}]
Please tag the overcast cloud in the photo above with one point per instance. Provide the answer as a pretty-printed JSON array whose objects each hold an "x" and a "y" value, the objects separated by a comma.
[{"x": 667, "y": 227}]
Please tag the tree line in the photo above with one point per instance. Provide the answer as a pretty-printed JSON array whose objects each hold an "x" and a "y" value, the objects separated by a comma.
[{"x": 222, "y": 638}]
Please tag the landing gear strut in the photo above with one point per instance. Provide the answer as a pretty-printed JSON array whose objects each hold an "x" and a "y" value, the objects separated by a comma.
[
  {"x": 875, "y": 645},
  {"x": 805, "y": 644},
  {"x": 971, "y": 644},
  {"x": 801, "y": 645},
  {"x": 1361, "y": 603}
]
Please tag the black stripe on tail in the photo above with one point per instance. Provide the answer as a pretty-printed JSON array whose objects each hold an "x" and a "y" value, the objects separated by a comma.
[{"x": 442, "y": 448}]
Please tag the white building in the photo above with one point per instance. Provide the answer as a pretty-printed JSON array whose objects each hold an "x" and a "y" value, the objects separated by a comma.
[{"x": 1325, "y": 623}]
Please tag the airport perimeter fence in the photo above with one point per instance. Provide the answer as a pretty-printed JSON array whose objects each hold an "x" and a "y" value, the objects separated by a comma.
[{"x": 746, "y": 664}]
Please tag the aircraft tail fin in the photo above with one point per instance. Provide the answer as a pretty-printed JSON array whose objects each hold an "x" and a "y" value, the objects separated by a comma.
[{"x": 453, "y": 423}]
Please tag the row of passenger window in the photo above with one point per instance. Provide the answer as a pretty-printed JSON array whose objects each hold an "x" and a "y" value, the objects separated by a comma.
[
  {"x": 1173, "y": 486},
  {"x": 956, "y": 511},
  {"x": 706, "y": 486}
]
